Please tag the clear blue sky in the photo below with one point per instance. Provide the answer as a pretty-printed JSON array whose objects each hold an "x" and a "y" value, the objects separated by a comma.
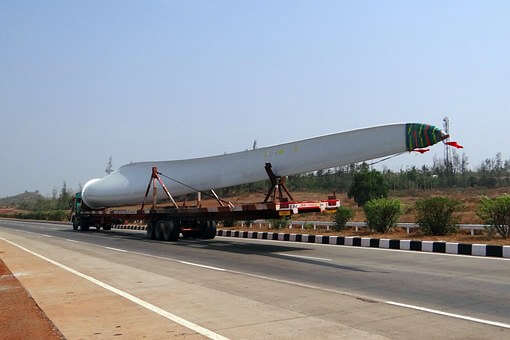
[{"x": 160, "y": 80}]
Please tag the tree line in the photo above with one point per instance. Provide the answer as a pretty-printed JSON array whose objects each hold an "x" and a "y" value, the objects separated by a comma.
[{"x": 490, "y": 173}]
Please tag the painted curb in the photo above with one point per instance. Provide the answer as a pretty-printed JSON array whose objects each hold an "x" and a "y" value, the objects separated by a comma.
[{"x": 354, "y": 241}]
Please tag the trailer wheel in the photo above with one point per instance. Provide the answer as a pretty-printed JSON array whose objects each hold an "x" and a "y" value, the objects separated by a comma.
[
  {"x": 171, "y": 230},
  {"x": 210, "y": 231},
  {"x": 159, "y": 230},
  {"x": 151, "y": 235}
]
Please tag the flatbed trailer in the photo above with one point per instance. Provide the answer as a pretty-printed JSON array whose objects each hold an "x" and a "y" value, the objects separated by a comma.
[{"x": 167, "y": 224}]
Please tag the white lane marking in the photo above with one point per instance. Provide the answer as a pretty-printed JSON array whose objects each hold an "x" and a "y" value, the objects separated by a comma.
[
  {"x": 45, "y": 235},
  {"x": 55, "y": 228},
  {"x": 305, "y": 257},
  {"x": 460, "y": 256},
  {"x": 457, "y": 316},
  {"x": 202, "y": 266},
  {"x": 117, "y": 249},
  {"x": 68, "y": 239},
  {"x": 304, "y": 285},
  {"x": 188, "y": 324}
]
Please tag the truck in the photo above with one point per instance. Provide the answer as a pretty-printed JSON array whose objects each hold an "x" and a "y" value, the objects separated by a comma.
[
  {"x": 98, "y": 203},
  {"x": 169, "y": 223}
]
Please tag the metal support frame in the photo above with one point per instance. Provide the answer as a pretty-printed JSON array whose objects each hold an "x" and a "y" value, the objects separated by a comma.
[
  {"x": 217, "y": 198},
  {"x": 277, "y": 184},
  {"x": 153, "y": 180}
]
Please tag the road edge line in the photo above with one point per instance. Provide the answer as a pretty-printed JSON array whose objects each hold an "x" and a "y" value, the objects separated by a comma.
[{"x": 183, "y": 322}]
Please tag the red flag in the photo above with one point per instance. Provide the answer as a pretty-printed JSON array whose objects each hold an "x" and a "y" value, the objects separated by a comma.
[{"x": 455, "y": 145}]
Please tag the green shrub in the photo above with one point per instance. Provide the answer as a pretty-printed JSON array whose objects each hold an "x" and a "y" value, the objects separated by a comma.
[
  {"x": 367, "y": 185},
  {"x": 496, "y": 213},
  {"x": 279, "y": 223},
  {"x": 436, "y": 215},
  {"x": 341, "y": 217},
  {"x": 382, "y": 214}
]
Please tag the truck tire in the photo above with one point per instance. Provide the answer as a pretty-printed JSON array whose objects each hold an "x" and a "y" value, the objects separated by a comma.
[
  {"x": 158, "y": 230},
  {"x": 171, "y": 230},
  {"x": 209, "y": 231},
  {"x": 76, "y": 223},
  {"x": 151, "y": 235}
]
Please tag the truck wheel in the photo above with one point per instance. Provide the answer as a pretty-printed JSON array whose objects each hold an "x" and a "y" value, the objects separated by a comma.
[
  {"x": 107, "y": 227},
  {"x": 158, "y": 230},
  {"x": 210, "y": 231},
  {"x": 76, "y": 224},
  {"x": 171, "y": 231},
  {"x": 151, "y": 235}
]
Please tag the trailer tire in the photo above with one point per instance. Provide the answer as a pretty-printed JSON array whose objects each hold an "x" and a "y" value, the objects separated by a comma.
[
  {"x": 151, "y": 235},
  {"x": 210, "y": 230},
  {"x": 76, "y": 223},
  {"x": 171, "y": 230},
  {"x": 159, "y": 230}
]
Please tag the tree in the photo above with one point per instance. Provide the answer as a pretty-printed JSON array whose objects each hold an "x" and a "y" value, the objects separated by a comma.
[
  {"x": 109, "y": 166},
  {"x": 65, "y": 197},
  {"x": 367, "y": 185}
]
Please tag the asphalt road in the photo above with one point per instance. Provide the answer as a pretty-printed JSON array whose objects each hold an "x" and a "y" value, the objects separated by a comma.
[{"x": 471, "y": 287}]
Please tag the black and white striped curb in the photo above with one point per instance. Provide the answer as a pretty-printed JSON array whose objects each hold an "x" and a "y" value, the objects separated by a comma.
[
  {"x": 427, "y": 246},
  {"x": 129, "y": 226}
]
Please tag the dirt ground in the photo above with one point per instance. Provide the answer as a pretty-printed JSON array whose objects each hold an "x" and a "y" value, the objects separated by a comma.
[{"x": 20, "y": 317}]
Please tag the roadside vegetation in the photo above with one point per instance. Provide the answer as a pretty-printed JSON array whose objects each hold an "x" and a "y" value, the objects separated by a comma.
[
  {"x": 437, "y": 215},
  {"x": 495, "y": 212},
  {"x": 34, "y": 206},
  {"x": 341, "y": 217},
  {"x": 382, "y": 214}
]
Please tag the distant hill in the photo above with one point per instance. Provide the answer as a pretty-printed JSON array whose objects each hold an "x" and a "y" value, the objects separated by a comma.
[{"x": 17, "y": 200}]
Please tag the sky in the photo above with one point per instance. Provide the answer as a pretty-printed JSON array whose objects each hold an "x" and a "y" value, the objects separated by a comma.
[{"x": 163, "y": 80}]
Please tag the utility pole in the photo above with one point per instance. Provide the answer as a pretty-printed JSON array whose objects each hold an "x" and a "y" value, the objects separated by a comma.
[{"x": 447, "y": 149}]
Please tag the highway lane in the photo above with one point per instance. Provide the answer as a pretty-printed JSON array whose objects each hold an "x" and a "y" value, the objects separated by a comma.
[{"x": 468, "y": 286}]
